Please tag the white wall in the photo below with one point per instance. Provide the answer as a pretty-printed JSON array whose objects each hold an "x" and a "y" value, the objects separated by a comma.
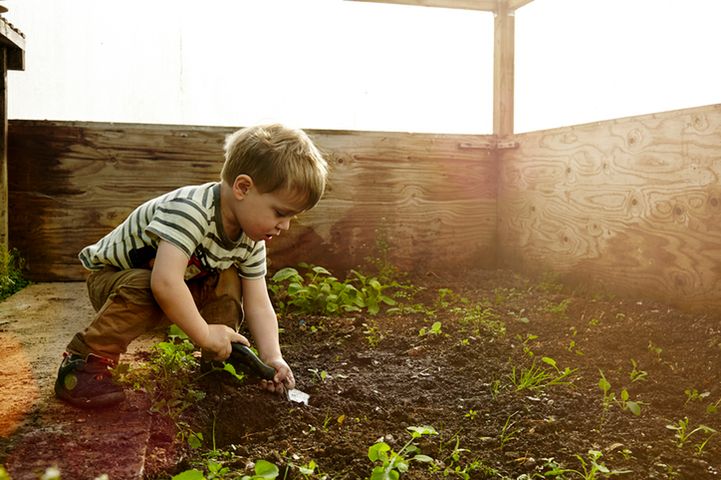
[
  {"x": 310, "y": 63},
  {"x": 349, "y": 65},
  {"x": 579, "y": 61}
]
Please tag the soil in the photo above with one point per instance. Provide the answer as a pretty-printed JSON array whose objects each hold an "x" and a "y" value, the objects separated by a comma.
[{"x": 372, "y": 377}]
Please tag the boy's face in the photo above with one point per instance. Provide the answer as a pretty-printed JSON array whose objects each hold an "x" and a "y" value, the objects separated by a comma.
[{"x": 262, "y": 216}]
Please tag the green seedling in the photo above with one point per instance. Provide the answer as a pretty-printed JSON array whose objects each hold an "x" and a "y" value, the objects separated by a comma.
[
  {"x": 373, "y": 334},
  {"x": 495, "y": 388},
  {"x": 526, "y": 348},
  {"x": 655, "y": 350},
  {"x": 693, "y": 395},
  {"x": 712, "y": 408},
  {"x": 434, "y": 330},
  {"x": 392, "y": 464},
  {"x": 537, "y": 377},
  {"x": 559, "y": 309},
  {"x": 683, "y": 433},
  {"x": 623, "y": 400},
  {"x": 636, "y": 374},
  {"x": 591, "y": 468},
  {"x": 319, "y": 292},
  {"x": 11, "y": 277},
  {"x": 320, "y": 375},
  {"x": 480, "y": 319},
  {"x": 471, "y": 414},
  {"x": 508, "y": 432}
]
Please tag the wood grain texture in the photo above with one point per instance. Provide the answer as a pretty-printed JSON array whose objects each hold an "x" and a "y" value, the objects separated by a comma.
[
  {"x": 632, "y": 204},
  {"x": 419, "y": 200}
]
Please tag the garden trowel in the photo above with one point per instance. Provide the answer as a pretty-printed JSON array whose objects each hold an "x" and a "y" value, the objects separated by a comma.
[{"x": 246, "y": 358}]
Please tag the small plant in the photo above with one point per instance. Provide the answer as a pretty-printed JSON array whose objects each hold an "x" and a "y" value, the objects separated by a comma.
[
  {"x": 481, "y": 319},
  {"x": 683, "y": 433},
  {"x": 392, "y": 464},
  {"x": 373, "y": 334},
  {"x": 434, "y": 330},
  {"x": 559, "y": 309},
  {"x": 636, "y": 374},
  {"x": 319, "y": 292},
  {"x": 471, "y": 414},
  {"x": 712, "y": 408},
  {"x": 11, "y": 278},
  {"x": 591, "y": 468},
  {"x": 693, "y": 395},
  {"x": 537, "y": 377},
  {"x": 320, "y": 375},
  {"x": 623, "y": 400},
  {"x": 508, "y": 432}
]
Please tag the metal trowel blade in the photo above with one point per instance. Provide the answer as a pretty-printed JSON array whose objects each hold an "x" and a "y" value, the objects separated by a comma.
[{"x": 297, "y": 396}]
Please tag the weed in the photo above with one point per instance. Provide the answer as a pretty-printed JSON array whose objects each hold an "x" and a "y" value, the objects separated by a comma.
[
  {"x": 636, "y": 374},
  {"x": 373, "y": 334},
  {"x": 623, "y": 400},
  {"x": 529, "y": 338},
  {"x": 655, "y": 350},
  {"x": 320, "y": 375},
  {"x": 693, "y": 395},
  {"x": 712, "y": 408},
  {"x": 395, "y": 463},
  {"x": 453, "y": 464},
  {"x": 434, "y": 330},
  {"x": 508, "y": 432},
  {"x": 471, "y": 415},
  {"x": 11, "y": 278},
  {"x": 481, "y": 319},
  {"x": 683, "y": 434},
  {"x": 559, "y": 309},
  {"x": 537, "y": 377},
  {"x": 591, "y": 468}
]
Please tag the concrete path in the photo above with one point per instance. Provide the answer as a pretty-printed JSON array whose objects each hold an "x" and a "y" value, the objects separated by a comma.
[{"x": 36, "y": 430}]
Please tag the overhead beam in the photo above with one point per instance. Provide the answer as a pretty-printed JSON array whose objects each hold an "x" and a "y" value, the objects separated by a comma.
[
  {"x": 503, "y": 71},
  {"x": 484, "y": 5}
]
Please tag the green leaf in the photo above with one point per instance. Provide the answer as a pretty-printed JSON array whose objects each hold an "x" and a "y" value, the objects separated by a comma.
[
  {"x": 265, "y": 469},
  {"x": 423, "y": 430},
  {"x": 320, "y": 270},
  {"x": 190, "y": 475},
  {"x": 549, "y": 361},
  {"x": 423, "y": 458},
  {"x": 634, "y": 407},
  {"x": 378, "y": 451},
  {"x": 284, "y": 274}
]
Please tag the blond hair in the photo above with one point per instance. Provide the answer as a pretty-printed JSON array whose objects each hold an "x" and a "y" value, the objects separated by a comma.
[{"x": 276, "y": 158}]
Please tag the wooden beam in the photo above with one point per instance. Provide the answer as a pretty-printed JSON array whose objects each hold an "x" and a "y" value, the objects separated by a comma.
[
  {"x": 484, "y": 5},
  {"x": 503, "y": 71},
  {"x": 15, "y": 43},
  {"x": 514, "y": 5},
  {"x": 3, "y": 150}
]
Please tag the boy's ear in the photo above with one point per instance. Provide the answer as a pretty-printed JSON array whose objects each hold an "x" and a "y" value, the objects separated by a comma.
[{"x": 242, "y": 185}]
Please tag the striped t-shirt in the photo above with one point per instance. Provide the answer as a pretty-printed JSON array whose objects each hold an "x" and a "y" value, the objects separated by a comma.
[{"x": 189, "y": 218}]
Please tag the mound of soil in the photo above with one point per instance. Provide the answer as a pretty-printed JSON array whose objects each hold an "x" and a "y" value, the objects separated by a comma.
[{"x": 372, "y": 377}]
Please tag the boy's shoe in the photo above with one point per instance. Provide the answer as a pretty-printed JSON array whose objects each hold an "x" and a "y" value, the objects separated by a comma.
[{"x": 87, "y": 383}]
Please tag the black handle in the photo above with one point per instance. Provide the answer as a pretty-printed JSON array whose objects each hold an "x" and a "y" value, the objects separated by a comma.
[{"x": 245, "y": 356}]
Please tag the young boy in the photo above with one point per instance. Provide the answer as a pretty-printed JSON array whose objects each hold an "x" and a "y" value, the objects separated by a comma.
[{"x": 196, "y": 257}]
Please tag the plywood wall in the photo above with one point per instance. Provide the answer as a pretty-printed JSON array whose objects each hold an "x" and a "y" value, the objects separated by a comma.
[
  {"x": 422, "y": 202},
  {"x": 632, "y": 204}
]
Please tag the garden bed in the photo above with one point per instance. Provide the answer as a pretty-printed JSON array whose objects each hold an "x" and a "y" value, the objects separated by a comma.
[{"x": 371, "y": 377}]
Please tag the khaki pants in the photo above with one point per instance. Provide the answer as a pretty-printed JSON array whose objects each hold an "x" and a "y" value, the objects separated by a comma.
[{"x": 126, "y": 308}]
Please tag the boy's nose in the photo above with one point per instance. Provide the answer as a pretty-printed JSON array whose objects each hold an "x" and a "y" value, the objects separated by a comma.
[{"x": 284, "y": 225}]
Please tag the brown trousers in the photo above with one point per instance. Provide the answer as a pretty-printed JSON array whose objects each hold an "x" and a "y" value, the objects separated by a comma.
[{"x": 126, "y": 308}]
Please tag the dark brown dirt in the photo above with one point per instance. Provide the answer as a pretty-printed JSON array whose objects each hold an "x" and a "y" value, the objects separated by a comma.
[{"x": 459, "y": 382}]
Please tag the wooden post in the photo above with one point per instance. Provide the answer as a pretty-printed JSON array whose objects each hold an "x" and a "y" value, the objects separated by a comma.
[
  {"x": 503, "y": 58},
  {"x": 3, "y": 151}
]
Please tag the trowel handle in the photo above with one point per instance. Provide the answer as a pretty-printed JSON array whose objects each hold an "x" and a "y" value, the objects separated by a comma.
[{"x": 245, "y": 355}]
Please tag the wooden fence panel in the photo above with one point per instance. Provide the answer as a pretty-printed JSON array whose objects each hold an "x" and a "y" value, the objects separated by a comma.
[
  {"x": 417, "y": 200},
  {"x": 632, "y": 204}
]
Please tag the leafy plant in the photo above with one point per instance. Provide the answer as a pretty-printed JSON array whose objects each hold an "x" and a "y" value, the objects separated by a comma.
[
  {"x": 392, "y": 464},
  {"x": 372, "y": 333},
  {"x": 508, "y": 432},
  {"x": 11, "y": 278},
  {"x": 623, "y": 400},
  {"x": 591, "y": 468},
  {"x": 434, "y": 330},
  {"x": 692, "y": 395},
  {"x": 481, "y": 319},
  {"x": 537, "y": 377},
  {"x": 636, "y": 374},
  {"x": 683, "y": 434},
  {"x": 319, "y": 292}
]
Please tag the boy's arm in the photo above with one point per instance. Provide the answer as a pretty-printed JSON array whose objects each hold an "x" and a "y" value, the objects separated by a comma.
[
  {"x": 172, "y": 294},
  {"x": 263, "y": 325}
]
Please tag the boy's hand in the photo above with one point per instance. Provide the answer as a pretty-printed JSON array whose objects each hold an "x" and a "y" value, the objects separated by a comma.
[
  {"x": 219, "y": 339},
  {"x": 283, "y": 379}
]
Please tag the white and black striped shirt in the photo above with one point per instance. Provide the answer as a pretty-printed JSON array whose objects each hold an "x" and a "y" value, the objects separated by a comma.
[{"x": 189, "y": 218}]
